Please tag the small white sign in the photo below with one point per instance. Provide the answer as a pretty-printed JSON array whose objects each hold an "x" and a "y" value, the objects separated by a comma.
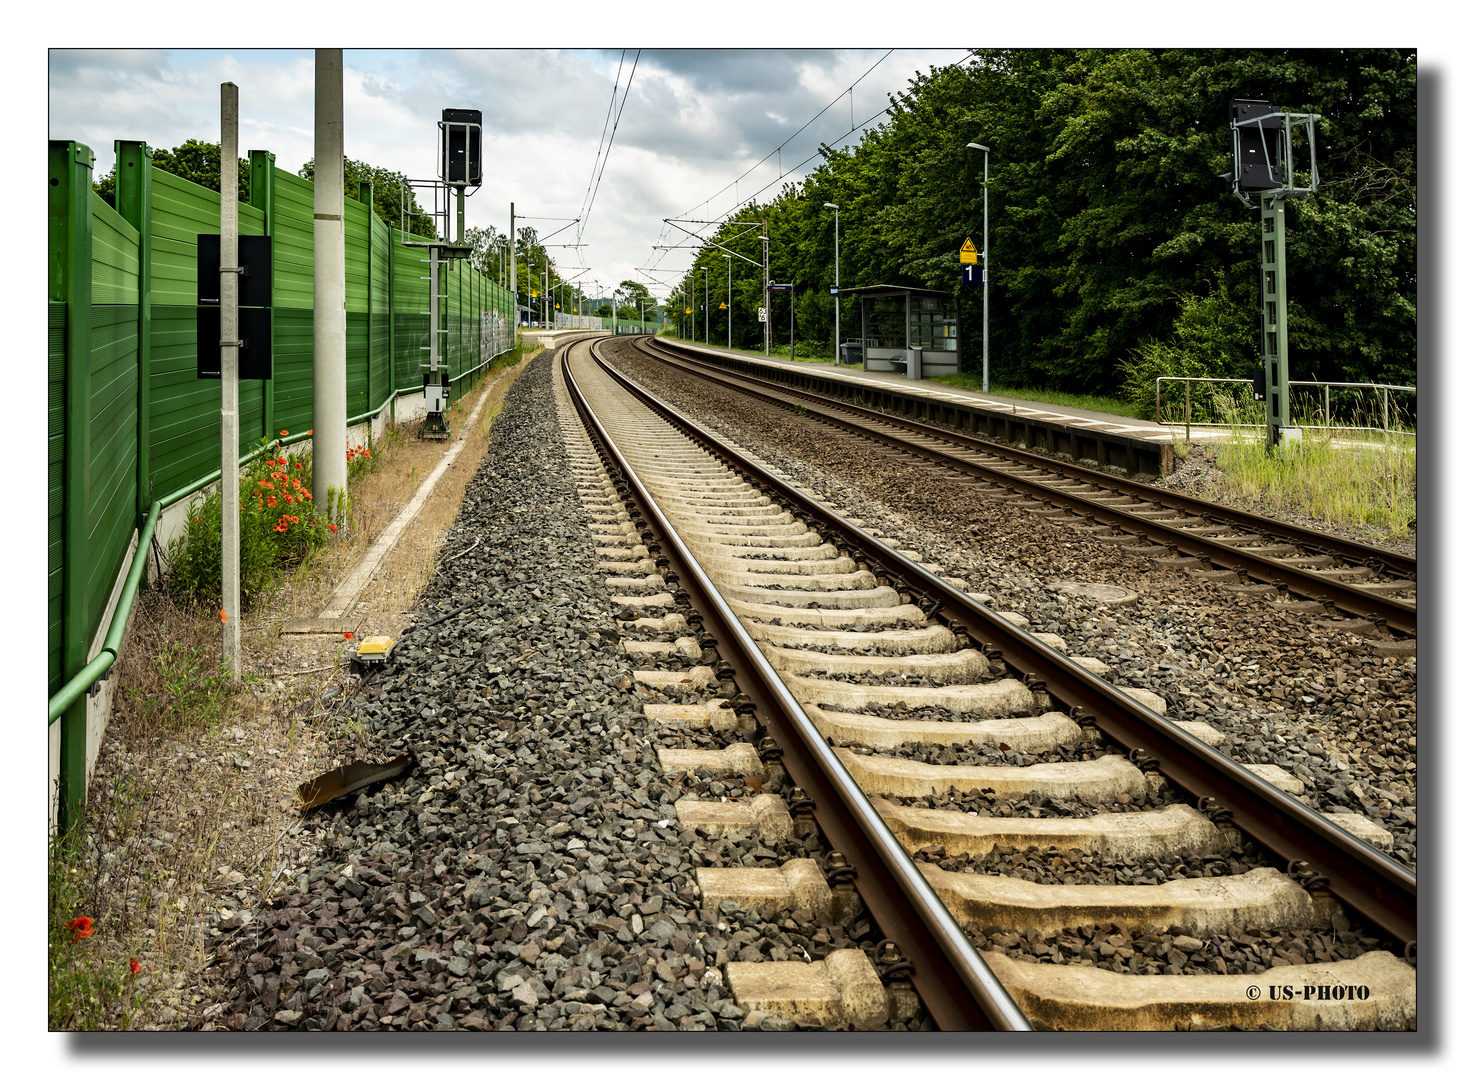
[{"x": 762, "y": 314}]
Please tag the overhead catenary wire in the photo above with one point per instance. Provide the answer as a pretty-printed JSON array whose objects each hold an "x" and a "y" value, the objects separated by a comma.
[
  {"x": 603, "y": 160},
  {"x": 604, "y": 127},
  {"x": 777, "y": 152}
]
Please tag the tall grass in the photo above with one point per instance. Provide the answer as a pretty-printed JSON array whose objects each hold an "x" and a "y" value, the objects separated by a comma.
[{"x": 1330, "y": 475}]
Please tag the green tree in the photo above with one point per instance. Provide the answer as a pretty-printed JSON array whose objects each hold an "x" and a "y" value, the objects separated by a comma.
[
  {"x": 1106, "y": 211},
  {"x": 387, "y": 194},
  {"x": 490, "y": 252},
  {"x": 1213, "y": 337},
  {"x": 195, "y": 161}
]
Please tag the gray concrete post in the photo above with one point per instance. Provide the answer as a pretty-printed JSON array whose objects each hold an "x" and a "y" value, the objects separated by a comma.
[
  {"x": 229, "y": 368},
  {"x": 329, "y": 296}
]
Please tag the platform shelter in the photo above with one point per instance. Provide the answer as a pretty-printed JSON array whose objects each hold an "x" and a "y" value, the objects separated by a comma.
[{"x": 907, "y": 330}]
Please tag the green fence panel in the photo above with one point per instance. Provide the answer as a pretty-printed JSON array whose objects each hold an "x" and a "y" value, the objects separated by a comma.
[
  {"x": 114, "y": 256},
  {"x": 294, "y": 369},
  {"x": 357, "y": 403},
  {"x": 109, "y": 510},
  {"x": 294, "y": 241},
  {"x": 181, "y": 210},
  {"x": 381, "y": 312},
  {"x": 410, "y": 301},
  {"x": 55, "y": 479},
  {"x": 111, "y": 505},
  {"x": 358, "y": 235},
  {"x": 183, "y": 436}
]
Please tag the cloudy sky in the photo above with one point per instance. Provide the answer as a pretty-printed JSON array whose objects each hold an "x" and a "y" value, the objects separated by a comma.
[{"x": 618, "y": 138}]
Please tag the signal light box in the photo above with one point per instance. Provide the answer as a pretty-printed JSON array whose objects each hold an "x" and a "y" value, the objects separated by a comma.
[{"x": 462, "y": 164}]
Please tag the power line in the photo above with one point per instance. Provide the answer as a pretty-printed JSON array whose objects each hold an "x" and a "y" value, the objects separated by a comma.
[
  {"x": 603, "y": 127},
  {"x": 795, "y": 168},
  {"x": 778, "y": 149},
  {"x": 626, "y": 96}
]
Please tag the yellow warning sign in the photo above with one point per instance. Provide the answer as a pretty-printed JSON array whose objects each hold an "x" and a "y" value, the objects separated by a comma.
[
  {"x": 722, "y": 306},
  {"x": 968, "y": 252}
]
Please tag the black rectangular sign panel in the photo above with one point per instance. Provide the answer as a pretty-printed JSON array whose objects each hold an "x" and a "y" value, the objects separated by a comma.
[
  {"x": 463, "y": 152},
  {"x": 254, "y": 255},
  {"x": 254, "y": 354}
]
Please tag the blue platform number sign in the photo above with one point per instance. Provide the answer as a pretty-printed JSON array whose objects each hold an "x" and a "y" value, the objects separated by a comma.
[{"x": 973, "y": 275}]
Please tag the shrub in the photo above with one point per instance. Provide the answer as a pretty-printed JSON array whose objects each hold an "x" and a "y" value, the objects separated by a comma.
[
  {"x": 1214, "y": 337},
  {"x": 279, "y": 525}
]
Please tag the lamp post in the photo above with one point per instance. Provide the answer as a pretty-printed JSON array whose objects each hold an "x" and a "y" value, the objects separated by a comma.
[
  {"x": 707, "y": 305},
  {"x": 729, "y": 300},
  {"x": 986, "y": 273},
  {"x": 835, "y": 208}
]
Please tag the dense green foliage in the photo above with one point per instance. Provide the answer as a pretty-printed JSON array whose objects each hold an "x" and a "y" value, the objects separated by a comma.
[
  {"x": 387, "y": 188},
  {"x": 1116, "y": 252},
  {"x": 195, "y": 161}
]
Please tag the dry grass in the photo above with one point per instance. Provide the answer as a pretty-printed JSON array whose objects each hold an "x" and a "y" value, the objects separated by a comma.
[{"x": 193, "y": 813}]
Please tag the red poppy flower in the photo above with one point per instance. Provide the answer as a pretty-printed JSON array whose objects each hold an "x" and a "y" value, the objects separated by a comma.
[
  {"x": 333, "y": 528},
  {"x": 223, "y": 617},
  {"x": 273, "y": 504},
  {"x": 348, "y": 635},
  {"x": 134, "y": 966},
  {"x": 80, "y": 927}
]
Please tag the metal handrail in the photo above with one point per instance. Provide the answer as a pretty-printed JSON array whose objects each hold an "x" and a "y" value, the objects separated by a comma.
[{"x": 1327, "y": 403}]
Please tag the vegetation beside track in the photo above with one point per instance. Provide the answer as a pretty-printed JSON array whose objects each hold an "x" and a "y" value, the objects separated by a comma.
[{"x": 191, "y": 807}]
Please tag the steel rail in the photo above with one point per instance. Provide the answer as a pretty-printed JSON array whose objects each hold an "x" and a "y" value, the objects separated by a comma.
[
  {"x": 1378, "y": 889},
  {"x": 1352, "y": 550},
  {"x": 958, "y": 989},
  {"x": 1400, "y": 615}
]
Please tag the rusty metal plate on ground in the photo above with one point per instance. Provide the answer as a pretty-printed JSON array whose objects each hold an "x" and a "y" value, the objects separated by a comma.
[{"x": 1090, "y": 590}]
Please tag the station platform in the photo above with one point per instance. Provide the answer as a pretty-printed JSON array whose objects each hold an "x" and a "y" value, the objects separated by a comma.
[{"x": 1122, "y": 443}]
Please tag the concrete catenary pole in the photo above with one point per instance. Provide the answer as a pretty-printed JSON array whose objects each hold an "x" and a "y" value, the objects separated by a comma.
[
  {"x": 329, "y": 338},
  {"x": 229, "y": 369},
  {"x": 513, "y": 272}
]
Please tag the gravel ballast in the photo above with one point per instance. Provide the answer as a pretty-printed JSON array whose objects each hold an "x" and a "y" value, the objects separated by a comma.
[
  {"x": 530, "y": 872},
  {"x": 1303, "y": 692}
]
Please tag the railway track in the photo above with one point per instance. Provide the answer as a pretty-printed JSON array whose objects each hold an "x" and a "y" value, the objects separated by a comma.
[
  {"x": 1311, "y": 572},
  {"x": 860, "y": 663}
]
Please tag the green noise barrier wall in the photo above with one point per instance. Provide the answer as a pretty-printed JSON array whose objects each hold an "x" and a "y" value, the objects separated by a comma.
[{"x": 129, "y": 421}]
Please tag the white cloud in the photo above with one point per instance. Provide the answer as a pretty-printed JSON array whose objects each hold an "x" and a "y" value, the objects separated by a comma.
[{"x": 694, "y": 121}]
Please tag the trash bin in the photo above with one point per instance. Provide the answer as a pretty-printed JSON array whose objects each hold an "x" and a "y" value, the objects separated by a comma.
[
  {"x": 854, "y": 352},
  {"x": 914, "y": 358}
]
